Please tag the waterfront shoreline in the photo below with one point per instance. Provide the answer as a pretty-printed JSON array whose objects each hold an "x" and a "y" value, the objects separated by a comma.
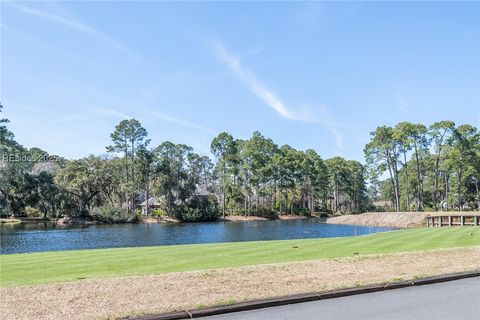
[
  {"x": 370, "y": 219},
  {"x": 150, "y": 220}
]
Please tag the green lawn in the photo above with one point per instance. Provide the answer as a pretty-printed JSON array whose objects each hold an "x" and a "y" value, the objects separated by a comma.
[{"x": 48, "y": 267}]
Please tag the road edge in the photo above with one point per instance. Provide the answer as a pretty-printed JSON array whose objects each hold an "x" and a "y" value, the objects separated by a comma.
[{"x": 305, "y": 297}]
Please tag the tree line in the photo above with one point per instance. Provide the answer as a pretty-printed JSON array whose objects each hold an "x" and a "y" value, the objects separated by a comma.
[
  {"x": 427, "y": 168},
  {"x": 258, "y": 176}
]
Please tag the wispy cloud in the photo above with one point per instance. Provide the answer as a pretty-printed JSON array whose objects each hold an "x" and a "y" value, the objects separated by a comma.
[
  {"x": 273, "y": 101},
  {"x": 79, "y": 26},
  {"x": 256, "y": 87},
  {"x": 178, "y": 121},
  {"x": 338, "y": 137}
]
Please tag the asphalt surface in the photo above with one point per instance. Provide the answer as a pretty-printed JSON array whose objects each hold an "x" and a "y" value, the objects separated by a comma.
[{"x": 454, "y": 300}]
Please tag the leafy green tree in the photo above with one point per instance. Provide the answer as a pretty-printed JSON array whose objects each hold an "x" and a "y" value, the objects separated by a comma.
[
  {"x": 257, "y": 154},
  {"x": 149, "y": 171},
  {"x": 315, "y": 176},
  {"x": 382, "y": 153},
  {"x": 465, "y": 140},
  {"x": 84, "y": 179},
  {"x": 356, "y": 186},
  {"x": 418, "y": 136},
  {"x": 439, "y": 133},
  {"x": 286, "y": 174},
  {"x": 402, "y": 134},
  {"x": 6, "y": 136},
  {"x": 128, "y": 138},
  {"x": 49, "y": 197},
  {"x": 181, "y": 172},
  {"x": 15, "y": 183},
  {"x": 202, "y": 168},
  {"x": 338, "y": 173},
  {"x": 412, "y": 136},
  {"x": 224, "y": 148}
]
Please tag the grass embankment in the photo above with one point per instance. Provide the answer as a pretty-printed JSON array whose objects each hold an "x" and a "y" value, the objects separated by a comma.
[{"x": 61, "y": 266}]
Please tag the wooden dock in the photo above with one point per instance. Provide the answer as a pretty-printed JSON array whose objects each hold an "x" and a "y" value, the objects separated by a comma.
[{"x": 457, "y": 219}]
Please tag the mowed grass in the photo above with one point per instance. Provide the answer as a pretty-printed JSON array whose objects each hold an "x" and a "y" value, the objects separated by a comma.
[{"x": 61, "y": 266}]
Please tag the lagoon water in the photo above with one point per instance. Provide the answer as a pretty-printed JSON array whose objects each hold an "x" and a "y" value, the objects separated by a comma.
[{"x": 22, "y": 238}]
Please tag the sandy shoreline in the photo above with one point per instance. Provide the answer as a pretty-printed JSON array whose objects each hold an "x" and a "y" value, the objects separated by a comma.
[
  {"x": 256, "y": 218},
  {"x": 151, "y": 220},
  {"x": 227, "y": 219}
]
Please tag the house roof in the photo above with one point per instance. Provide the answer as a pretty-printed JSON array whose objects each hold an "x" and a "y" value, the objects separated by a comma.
[
  {"x": 202, "y": 191},
  {"x": 152, "y": 201}
]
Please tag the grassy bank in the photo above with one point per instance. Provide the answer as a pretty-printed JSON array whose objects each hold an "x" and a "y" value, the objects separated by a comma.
[
  {"x": 48, "y": 267},
  {"x": 114, "y": 298}
]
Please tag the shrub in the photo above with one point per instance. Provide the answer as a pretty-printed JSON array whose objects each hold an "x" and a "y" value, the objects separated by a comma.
[
  {"x": 266, "y": 212},
  {"x": 197, "y": 209},
  {"x": 323, "y": 214},
  {"x": 301, "y": 211},
  {"x": 3, "y": 213},
  {"x": 187, "y": 214},
  {"x": 113, "y": 215},
  {"x": 158, "y": 213},
  {"x": 33, "y": 212}
]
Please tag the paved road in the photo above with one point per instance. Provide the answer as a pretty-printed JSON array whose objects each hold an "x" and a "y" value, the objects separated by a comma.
[{"x": 455, "y": 300}]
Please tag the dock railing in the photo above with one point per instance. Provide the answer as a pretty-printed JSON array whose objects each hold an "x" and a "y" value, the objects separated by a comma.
[{"x": 457, "y": 219}]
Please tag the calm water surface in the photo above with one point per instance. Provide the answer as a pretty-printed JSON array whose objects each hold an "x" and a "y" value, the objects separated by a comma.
[{"x": 20, "y": 238}]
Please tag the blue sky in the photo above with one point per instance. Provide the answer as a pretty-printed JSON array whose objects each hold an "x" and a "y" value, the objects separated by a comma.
[{"x": 312, "y": 75}]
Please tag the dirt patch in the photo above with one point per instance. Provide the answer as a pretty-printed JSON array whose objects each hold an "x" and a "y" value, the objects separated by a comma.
[
  {"x": 76, "y": 221},
  {"x": 392, "y": 219},
  {"x": 10, "y": 220},
  {"x": 242, "y": 218},
  {"x": 162, "y": 219},
  {"x": 383, "y": 219},
  {"x": 291, "y": 217},
  {"x": 117, "y": 297},
  {"x": 256, "y": 218},
  {"x": 149, "y": 220}
]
